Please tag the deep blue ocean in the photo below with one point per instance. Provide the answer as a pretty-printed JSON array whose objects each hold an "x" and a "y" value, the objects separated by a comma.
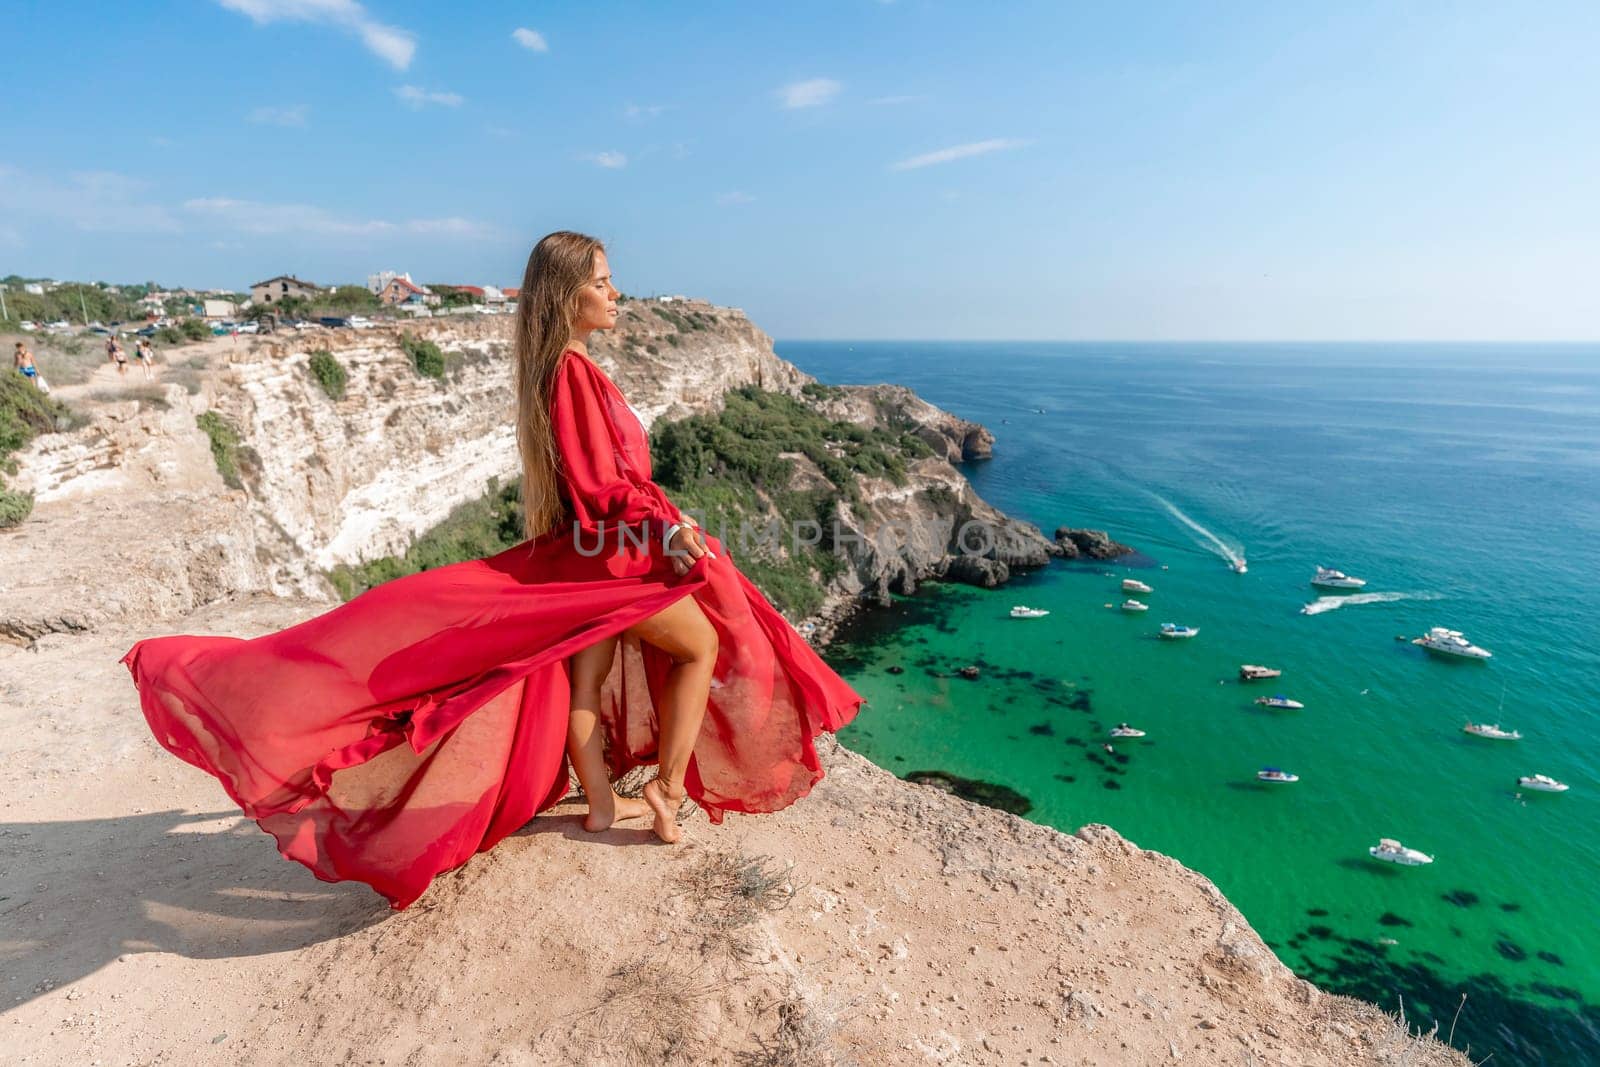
[{"x": 1462, "y": 481}]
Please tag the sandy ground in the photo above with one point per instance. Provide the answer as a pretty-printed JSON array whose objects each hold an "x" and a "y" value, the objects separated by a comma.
[{"x": 143, "y": 921}]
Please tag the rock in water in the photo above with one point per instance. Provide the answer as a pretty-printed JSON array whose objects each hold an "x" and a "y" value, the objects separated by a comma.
[{"x": 1096, "y": 544}]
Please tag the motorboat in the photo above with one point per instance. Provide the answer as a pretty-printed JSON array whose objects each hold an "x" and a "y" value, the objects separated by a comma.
[
  {"x": 1484, "y": 729},
  {"x": 1134, "y": 605},
  {"x": 1273, "y": 774},
  {"x": 1252, "y": 673},
  {"x": 1279, "y": 702},
  {"x": 1543, "y": 783},
  {"x": 1173, "y": 631},
  {"x": 1122, "y": 729},
  {"x": 1134, "y": 585},
  {"x": 1022, "y": 611},
  {"x": 1450, "y": 643},
  {"x": 1328, "y": 578},
  {"x": 1238, "y": 566},
  {"x": 1391, "y": 851}
]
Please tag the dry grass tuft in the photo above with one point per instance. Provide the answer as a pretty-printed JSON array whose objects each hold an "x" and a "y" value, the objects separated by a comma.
[
  {"x": 802, "y": 1036},
  {"x": 651, "y": 1012},
  {"x": 148, "y": 394},
  {"x": 1400, "y": 1046},
  {"x": 728, "y": 892}
]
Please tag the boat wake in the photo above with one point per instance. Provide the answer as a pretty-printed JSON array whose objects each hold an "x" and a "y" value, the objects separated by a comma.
[
  {"x": 1233, "y": 554},
  {"x": 1331, "y": 603}
]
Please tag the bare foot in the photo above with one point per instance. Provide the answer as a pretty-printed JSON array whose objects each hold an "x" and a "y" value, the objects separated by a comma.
[
  {"x": 618, "y": 809},
  {"x": 665, "y": 805}
]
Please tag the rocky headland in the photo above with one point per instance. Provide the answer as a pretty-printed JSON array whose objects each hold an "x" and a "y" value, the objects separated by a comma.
[{"x": 877, "y": 921}]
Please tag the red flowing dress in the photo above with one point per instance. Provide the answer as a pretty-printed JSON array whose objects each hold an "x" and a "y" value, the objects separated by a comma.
[{"x": 390, "y": 738}]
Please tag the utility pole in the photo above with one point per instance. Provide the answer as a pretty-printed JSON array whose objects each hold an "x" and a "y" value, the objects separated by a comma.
[
  {"x": 82, "y": 306},
  {"x": 4, "y": 314}
]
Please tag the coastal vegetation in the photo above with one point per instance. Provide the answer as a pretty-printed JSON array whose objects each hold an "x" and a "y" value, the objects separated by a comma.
[
  {"x": 25, "y": 413},
  {"x": 329, "y": 373},
  {"x": 232, "y": 456},
  {"x": 426, "y": 356}
]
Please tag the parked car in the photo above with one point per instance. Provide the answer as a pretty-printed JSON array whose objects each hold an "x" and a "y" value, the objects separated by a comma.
[
  {"x": 148, "y": 331},
  {"x": 360, "y": 322},
  {"x": 26, "y": 326},
  {"x": 333, "y": 322},
  {"x": 59, "y": 326},
  {"x": 307, "y": 324},
  {"x": 248, "y": 327}
]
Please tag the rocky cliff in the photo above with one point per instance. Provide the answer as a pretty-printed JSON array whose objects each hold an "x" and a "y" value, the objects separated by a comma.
[{"x": 876, "y": 921}]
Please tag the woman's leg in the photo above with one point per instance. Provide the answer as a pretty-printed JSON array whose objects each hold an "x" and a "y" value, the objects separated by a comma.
[
  {"x": 683, "y": 632},
  {"x": 589, "y": 669}
]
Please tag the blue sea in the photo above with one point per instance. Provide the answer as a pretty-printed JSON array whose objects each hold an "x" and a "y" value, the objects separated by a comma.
[{"x": 1462, "y": 481}]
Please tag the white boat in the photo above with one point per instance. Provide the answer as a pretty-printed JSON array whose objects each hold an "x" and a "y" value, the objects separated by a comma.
[
  {"x": 1250, "y": 672},
  {"x": 1484, "y": 729},
  {"x": 1134, "y": 585},
  {"x": 1133, "y": 605},
  {"x": 1273, "y": 774},
  {"x": 1122, "y": 729},
  {"x": 1450, "y": 643},
  {"x": 1022, "y": 611},
  {"x": 1543, "y": 783},
  {"x": 1328, "y": 578},
  {"x": 1279, "y": 702},
  {"x": 1173, "y": 631},
  {"x": 1392, "y": 851},
  {"x": 1239, "y": 566}
]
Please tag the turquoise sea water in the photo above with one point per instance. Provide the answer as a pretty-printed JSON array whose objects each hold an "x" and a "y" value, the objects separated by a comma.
[{"x": 1463, "y": 482}]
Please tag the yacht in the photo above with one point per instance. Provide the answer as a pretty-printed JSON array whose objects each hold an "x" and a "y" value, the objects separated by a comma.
[
  {"x": 1273, "y": 774},
  {"x": 1279, "y": 702},
  {"x": 1450, "y": 643},
  {"x": 1252, "y": 673},
  {"x": 1484, "y": 729},
  {"x": 1122, "y": 729},
  {"x": 1022, "y": 611},
  {"x": 1134, "y": 605},
  {"x": 1134, "y": 585},
  {"x": 1328, "y": 578},
  {"x": 1392, "y": 851},
  {"x": 1543, "y": 783},
  {"x": 1173, "y": 631}
]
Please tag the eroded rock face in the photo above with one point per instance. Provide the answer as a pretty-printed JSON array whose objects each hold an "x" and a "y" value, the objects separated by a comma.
[{"x": 1095, "y": 544}]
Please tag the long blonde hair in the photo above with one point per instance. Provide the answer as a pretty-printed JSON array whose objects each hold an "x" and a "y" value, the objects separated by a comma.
[{"x": 562, "y": 263}]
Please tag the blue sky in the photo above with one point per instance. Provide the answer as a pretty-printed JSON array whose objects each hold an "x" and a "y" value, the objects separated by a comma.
[{"x": 840, "y": 170}]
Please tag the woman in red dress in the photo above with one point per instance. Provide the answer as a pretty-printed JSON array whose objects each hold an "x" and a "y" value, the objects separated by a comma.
[{"x": 392, "y": 737}]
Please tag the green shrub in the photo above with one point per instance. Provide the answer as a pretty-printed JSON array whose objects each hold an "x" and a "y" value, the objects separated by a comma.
[
  {"x": 170, "y": 335},
  {"x": 330, "y": 373},
  {"x": 225, "y": 446},
  {"x": 194, "y": 329},
  {"x": 426, "y": 356},
  {"x": 14, "y": 507}
]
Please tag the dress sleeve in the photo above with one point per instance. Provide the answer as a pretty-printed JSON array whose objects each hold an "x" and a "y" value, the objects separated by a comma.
[{"x": 601, "y": 486}]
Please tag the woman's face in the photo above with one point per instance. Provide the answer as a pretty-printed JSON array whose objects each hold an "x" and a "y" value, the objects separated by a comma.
[{"x": 597, "y": 302}]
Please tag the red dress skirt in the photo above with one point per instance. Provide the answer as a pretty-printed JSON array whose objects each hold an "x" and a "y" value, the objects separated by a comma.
[{"x": 392, "y": 737}]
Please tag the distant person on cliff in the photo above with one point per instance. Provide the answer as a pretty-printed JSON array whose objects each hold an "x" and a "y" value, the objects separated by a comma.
[
  {"x": 116, "y": 355},
  {"x": 394, "y": 736},
  {"x": 22, "y": 359},
  {"x": 145, "y": 355}
]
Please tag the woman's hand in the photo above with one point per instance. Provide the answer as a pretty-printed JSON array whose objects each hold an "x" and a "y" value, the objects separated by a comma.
[{"x": 688, "y": 545}]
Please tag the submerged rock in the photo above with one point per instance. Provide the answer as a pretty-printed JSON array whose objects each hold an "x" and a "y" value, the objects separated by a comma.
[{"x": 989, "y": 794}]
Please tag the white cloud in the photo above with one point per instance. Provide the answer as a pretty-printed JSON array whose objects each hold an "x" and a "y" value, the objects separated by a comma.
[
  {"x": 417, "y": 99},
  {"x": 532, "y": 40},
  {"x": 643, "y": 112},
  {"x": 390, "y": 43},
  {"x": 99, "y": 201},
  {"x": 263, "y": 219},
  {"x": 736, "y": 197},
  {"x": 960, "y": 151},
  {"x": 813, "y": 93},
  {"x": 280, "y": 116},
  {"x": 608, "y": 160}
]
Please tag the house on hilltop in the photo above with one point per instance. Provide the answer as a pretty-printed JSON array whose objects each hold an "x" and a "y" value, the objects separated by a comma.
[
  {"x": 275, "y": 290},
  {"x": 401, "y": 290}
]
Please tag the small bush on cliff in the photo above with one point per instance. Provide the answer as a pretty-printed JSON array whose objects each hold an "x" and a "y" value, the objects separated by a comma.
[
  {"x": 226, "y": 447},
  {"x": 425, "y": 355},
  {"x": 194, "y": 329},
  {"x": 14, "y": 507},
  {"x": 330, "y": 373}
]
